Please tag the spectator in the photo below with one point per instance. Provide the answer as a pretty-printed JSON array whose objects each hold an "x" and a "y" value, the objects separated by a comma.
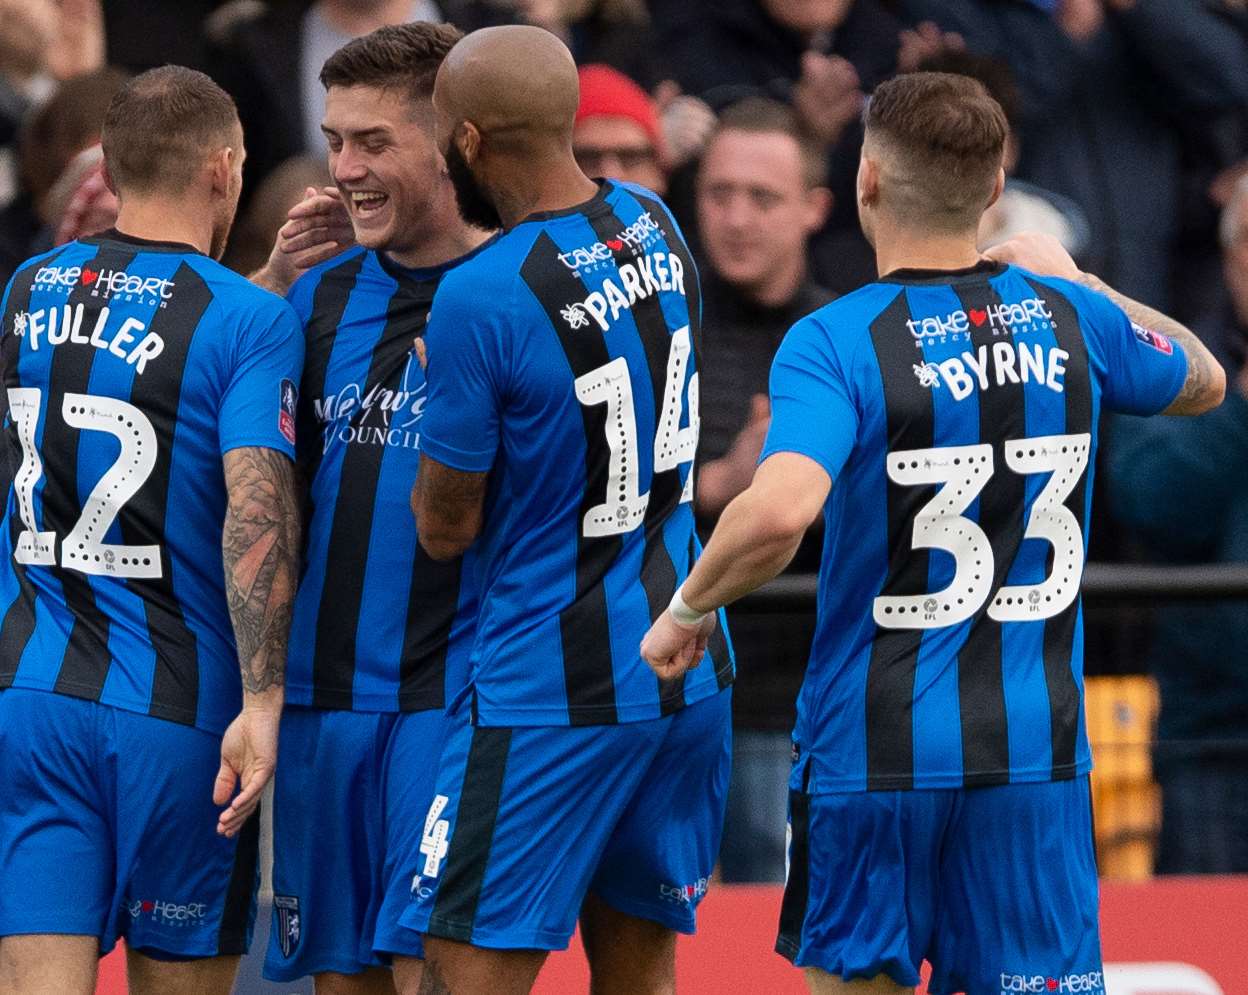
[
  {"x": 617, "y": 130},
  {"x": 1110, "y": 91},
  {"x": 62, "y": 128},
  {"x": 80, "y": 203},
  {"x": 1197, "y": 650},
  {"x": 759, "y": 200},
  {"x": 615, "y": 32}
]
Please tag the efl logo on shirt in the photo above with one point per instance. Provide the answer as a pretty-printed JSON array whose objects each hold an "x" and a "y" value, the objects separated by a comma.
[
  {"x": 1153, "y": 339},
  {"x": 286, "y": 416}
]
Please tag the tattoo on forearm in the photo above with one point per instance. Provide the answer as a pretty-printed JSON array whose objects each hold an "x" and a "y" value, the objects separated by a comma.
[
  {"x": 260, "y": 545},
  {"x": 1200, "y": 364}
]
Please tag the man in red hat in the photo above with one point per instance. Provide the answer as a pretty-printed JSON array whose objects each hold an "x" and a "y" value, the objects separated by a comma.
[{"x": 617, "y": 130}]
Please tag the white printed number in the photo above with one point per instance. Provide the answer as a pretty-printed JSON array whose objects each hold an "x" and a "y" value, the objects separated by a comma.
[
  {"x": 940, "y": 524},
  {"x": 625, "y": 507},
  {"x": 434, "y": 842},
  {"x": 84, "y": 548}
]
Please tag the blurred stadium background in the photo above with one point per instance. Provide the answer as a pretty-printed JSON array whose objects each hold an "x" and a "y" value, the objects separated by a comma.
[{"x": 1130, "y": 143}]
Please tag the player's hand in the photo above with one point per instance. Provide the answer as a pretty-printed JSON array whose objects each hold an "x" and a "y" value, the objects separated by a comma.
[
  {"x": 316, "y": 229},
  {"x": 671, "y": 649},
  {"x": 248, "y": 760},
  {"x": 422, "y": 352},
  {"x": 1042, "y": 254}
]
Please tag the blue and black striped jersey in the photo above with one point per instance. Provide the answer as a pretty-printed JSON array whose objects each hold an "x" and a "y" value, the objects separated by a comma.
[
  {"x": 379, "y": 626},
  {"x": 957, "y": 416},
  {"x": 130, "y": 368},
  {"x": 563, "y": 360}
]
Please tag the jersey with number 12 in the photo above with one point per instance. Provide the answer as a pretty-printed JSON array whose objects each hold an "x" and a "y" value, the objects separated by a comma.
[
  {"x": 957, "y": 416},
  {"x": 563, "y": 361},
  {"x": 130, "y": 367}
]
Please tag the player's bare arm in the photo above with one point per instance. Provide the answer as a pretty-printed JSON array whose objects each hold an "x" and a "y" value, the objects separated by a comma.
[
  {"x": 316, "y": 229},
  {"x": 1205, "y": 385},
  {"x": 260, "y": 548},
  {"x": 448, "y": 505},
  {"x": 756, "y": 538}
]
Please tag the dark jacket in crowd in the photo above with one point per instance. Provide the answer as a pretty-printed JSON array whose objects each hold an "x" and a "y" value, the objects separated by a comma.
[
  {"x": 739, "y": 341},
  {"x": 1104, "y": 121}
]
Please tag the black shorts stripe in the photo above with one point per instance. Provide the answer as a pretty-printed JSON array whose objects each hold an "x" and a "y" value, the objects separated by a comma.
[
  {"x": 658, "y": 572},
  {"x": 240, "y": 896},
  {"x": 334, "y": 658},
  {"x": 797, "y": 887},
  {"x": 895, "y": 652},
  {"x": 468, "y": 855},
  {"x": 589, "y": 676},
  {"x": 19, "y": 619},
  {"x": 329, "y": 302},
  {"x": 981, "y": 663},
  {"x": 157, "y": 393},
  {"x": 86, "y": 662},
  {"x": 1059, "y": 631}
]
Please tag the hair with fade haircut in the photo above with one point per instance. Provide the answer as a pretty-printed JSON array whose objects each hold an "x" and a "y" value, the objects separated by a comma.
[
  {"x": 161, "y": 127},
  {"x": 764, "y": 116},
  {"x": 402, "y": 57},
  {"x": 941, "y": 137}
]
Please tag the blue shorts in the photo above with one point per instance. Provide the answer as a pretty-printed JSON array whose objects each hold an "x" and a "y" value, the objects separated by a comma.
[
  {"x": 527, "y": 820},
  {"x": 107, "y": 829},
  {"x": 350, "y": 786},
  {"x": 996, "y": 887}
]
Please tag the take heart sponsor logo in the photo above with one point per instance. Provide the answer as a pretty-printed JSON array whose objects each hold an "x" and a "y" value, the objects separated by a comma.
[
  {"x": 977, "y": 317},
  {"x": 614, "y": 244},
  {"x": 89, "y": 276}
]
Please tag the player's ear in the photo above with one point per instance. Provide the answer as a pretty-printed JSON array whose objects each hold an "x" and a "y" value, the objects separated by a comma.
[
  {"x": 220, "y": 167},
  {"x": 997, "y": 187},
  {"x": 868, "y": 181},
  {"x": 468, "y": 138},
  {"x": 108, "y": 179}
]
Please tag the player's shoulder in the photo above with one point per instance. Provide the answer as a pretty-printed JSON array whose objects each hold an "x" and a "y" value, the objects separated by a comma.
[
  {"x": 487, "y": 276},
  {"x": 232, "y": 292},
  {"x": 1079, "y": 295},
  {"x": 851, "y": 315}
]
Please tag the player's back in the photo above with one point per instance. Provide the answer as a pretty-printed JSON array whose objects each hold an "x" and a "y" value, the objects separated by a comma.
[
  {"x": 576, "y": 337},
  {"x": 948, "y": 651},
  {"x": 130, "y": 368}
]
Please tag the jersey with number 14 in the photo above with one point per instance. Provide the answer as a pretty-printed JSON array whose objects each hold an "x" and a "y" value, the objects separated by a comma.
[
  {"x": 563, "y": 361},
  {"x": 130, "y": 367},
  {"x": 956, "y": 414}
]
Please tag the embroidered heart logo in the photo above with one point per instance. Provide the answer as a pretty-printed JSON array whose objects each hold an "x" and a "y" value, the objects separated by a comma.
[
  {"x": 615, "y": 245},
  {"x": 977, "y": 317},
  {"x": 89, "y": 276}
]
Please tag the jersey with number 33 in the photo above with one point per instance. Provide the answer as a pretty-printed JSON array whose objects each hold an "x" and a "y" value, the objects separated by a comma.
[
  {"x": 130, "y": 367},
  {"x": 956, "y": 414},
  {"x": 563, "y": 361}
]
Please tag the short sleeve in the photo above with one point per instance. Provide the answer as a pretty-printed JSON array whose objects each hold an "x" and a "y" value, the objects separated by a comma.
[
  {"x": 812, "y": 410},
  {"x": 1144, "y": 370},
  {"x": 460, "y": 424},
  {"x": 261, "y": 395}
]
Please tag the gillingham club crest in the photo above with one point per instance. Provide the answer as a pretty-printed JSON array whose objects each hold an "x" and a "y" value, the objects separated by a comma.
[{"x": 287, "y": 909}]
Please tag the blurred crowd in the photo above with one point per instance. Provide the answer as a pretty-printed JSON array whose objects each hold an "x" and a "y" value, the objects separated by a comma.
[{"x": 1129, "y": 143}]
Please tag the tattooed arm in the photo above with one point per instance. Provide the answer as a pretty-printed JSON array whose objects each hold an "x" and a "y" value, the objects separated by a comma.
[
  {"x": 260, "y": 547},
  {"x": 1205, "y": 385},
  {"x": 448, "y": 507}
]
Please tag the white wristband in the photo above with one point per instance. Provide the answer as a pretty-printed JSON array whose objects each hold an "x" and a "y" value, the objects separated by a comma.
[{"x": 683, "y": 614}]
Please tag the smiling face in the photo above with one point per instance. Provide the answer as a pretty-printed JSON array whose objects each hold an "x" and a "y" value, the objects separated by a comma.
[{"x": 384, "y": 162}]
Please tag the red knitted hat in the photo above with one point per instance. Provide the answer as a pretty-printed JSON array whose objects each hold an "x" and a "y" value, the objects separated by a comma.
[{"x": 606, "y": 92}]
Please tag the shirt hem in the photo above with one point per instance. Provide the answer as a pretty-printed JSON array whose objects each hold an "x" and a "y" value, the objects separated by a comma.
[
  {"x": 821, "y": 784},
  {"x": 457, "y": 459},
  {"x": 564, "y": 715},
  {"x": 337, "y": 700},
  {"x": 82, "y": 692}
]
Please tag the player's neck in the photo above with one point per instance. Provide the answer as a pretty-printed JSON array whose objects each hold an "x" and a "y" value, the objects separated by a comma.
[
  {"x": 165, "y": 221},
  {"x": 896, "y": 250},
  {"x": 449, "y": 242},
  {"x": 554, "y": 186}
]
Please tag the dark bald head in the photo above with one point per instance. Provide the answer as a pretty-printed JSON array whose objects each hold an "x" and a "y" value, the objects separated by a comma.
[
  {"x": 505, "y": 101},
  {"x": 516, "y": 85}
]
